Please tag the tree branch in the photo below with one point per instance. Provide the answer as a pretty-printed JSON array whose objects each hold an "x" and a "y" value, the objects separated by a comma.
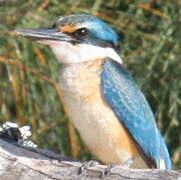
[{"x": 17, "y": 162}]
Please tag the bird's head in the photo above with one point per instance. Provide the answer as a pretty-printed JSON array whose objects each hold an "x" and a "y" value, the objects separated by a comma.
[{"x": 77, "y": 38}]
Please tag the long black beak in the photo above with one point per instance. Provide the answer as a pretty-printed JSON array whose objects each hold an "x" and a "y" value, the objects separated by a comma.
[{"x": 44, "y": 35}]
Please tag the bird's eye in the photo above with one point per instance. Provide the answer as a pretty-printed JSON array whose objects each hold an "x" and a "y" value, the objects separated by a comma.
[{"x": 80, "y": 33}]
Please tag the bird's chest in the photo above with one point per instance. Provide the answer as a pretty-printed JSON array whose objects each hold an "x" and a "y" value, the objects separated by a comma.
[
  {"x": 83, "y": 100},
  {"x": 94, "y": 119},
  {"x": 80, "y": 83}
]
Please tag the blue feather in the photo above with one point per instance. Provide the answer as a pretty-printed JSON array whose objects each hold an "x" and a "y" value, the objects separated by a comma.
[
  {"x": 133, "y": 111},
  {"x": 100, "y": 30}
]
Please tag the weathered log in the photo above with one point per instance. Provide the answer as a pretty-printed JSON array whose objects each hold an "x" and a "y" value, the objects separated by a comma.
[{"x": 22, "y": 163}]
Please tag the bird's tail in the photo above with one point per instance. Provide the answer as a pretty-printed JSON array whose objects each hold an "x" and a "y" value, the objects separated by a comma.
[{"x": 164, "y": 162}]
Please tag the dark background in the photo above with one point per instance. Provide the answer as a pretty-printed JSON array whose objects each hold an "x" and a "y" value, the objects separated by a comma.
[{"x": 150, "y": 42}]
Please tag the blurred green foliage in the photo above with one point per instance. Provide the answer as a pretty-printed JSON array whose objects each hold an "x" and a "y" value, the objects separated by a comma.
[{"x": 150, "y": 42}]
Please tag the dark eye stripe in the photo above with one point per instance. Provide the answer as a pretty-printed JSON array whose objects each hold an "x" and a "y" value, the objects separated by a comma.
[{"x": 81, "y": 33}]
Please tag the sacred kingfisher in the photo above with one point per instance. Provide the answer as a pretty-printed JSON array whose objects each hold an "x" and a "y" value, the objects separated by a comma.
[{"x": 102, "y": 99}]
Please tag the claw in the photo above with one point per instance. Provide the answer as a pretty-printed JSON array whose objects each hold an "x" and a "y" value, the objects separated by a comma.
[
  {"x": 86, "y": 165},
  {"x": 107, "y": 171},
  {"x": 126, "y": 164}
]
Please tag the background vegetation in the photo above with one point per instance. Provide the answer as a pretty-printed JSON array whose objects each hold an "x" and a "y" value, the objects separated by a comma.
[{"x": 150, "y": 42}]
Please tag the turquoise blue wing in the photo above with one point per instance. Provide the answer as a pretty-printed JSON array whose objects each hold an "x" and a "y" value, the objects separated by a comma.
[{"x": 133, "y": 111}]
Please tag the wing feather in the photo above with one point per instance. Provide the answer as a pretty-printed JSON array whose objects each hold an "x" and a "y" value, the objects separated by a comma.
[{"x": 133, "y": 111}]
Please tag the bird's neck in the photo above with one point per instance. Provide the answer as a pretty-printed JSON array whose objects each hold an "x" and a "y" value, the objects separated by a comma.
[{"x": 81, "y": 77}]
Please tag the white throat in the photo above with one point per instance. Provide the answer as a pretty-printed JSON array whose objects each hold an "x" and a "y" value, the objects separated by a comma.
[{"x": 67, "y": 53}]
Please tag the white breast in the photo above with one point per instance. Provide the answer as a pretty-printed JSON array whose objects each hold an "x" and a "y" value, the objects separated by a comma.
[{"x": 93, "y": 118}]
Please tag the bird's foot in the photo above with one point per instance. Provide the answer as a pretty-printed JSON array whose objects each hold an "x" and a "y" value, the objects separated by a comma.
[
  {"x": 107, "y": 171},
  {"x": 126, "y": 164},
  {"x": 86, "y": 165}
]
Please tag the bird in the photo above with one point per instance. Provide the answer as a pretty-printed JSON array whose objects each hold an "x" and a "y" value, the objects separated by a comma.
[{"x": 101, "y": 97}]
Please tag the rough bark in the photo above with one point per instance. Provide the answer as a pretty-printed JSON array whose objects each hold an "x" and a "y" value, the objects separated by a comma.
[{"x": 22, "y": 163}]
